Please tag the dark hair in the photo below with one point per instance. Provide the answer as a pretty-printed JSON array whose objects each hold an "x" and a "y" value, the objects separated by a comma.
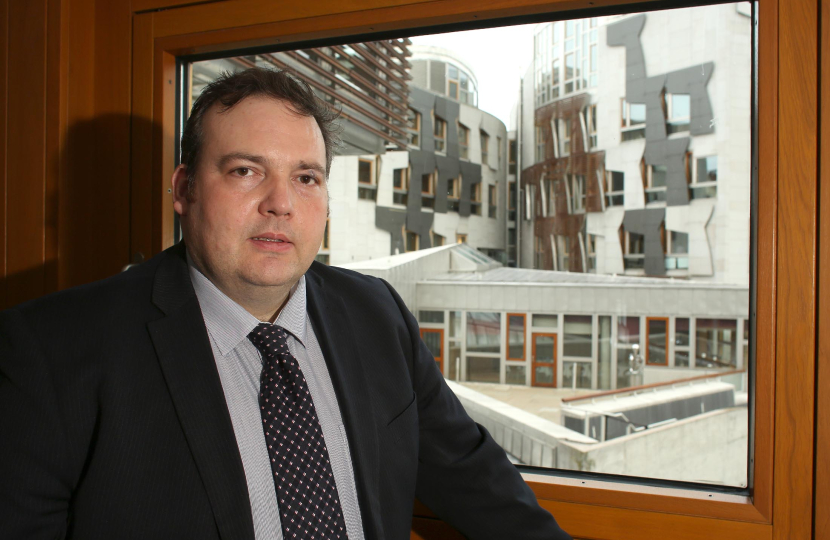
[{"x": 231, "y": 88}]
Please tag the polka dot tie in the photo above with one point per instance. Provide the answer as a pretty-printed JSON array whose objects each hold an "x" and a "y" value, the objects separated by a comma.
[{"x": 306, "y": 491}]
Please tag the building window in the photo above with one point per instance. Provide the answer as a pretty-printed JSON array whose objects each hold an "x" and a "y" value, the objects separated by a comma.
[
  {"x": 657, "y": 338},
  {"x": 499, "y": 152},
  {"x": 705, "y": 183},
  {"x": 485, "y": 143},
  {"x": 564, "y": 252},
  {"x": 588, "y": 120},
  {"x": 413, "y": 124},
  {"x": 511, "y": 157},
  {"x": 428, "y": 190},
  {"x": 460, "y": 238},
  {"x": 325, "y": 244},
  {"x": 452, "y": 81},
  {"x": 591, "y": 248},
  {"x": 463, "y": 142},
  {"x": 570, "y": 69},
  {"x": 512, "y": 197},
  {"x": 633, "y": 245},
  {"x": 433, "y": 338},
  {"x": 483, "y": 332},
  {"x": 578, "y": 331},
  {"x": 576, "y": 374},
  {"x": 677, "y": 250},
  {"x": 366, "y": 186},
  {"x": 540, "y": 145},
  {"x": 492, "y": 200},
  {"x": 437, "y": 239},
  {"x": 614, "y": 188},
  {"x": 633, "y": 121},
  {"x": 516, "y": 336},
  {"x": 678, "y": 109},
  {"x": 475, "y": 198},
  {"x": 681, "y": 342},
  {"x": 440, "y": 133},
  {"x": 411, "y": 239},
  {"x": 716, "y": 343},
  {"x": 431, "y": 316},
  {"x": 577, "y": 189},
  {"x": 400, "y": 186},
  {"x": 628, "y": 335},
  {"x": 453, "y": 194},
  {"x": 565, "y": 137},
  {"x": 538, "y": 253},
  {"x": 656, "y": 182}
]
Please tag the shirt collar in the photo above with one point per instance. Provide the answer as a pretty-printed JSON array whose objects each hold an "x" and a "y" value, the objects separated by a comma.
[{"x": 229, "y": 323}]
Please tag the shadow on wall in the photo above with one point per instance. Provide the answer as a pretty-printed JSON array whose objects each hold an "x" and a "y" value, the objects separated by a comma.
[{"x": 86, "y": 213}]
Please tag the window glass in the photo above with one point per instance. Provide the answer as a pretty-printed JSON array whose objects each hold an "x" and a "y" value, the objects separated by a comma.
[
  {"x": 431, "y": 316},
  {"x": 483, "y": 332},
  {"x": 578, "y": 330},
  {"x": 628, "y": 234}
]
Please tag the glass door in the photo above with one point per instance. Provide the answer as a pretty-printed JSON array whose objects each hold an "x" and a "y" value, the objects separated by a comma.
[
  {"x": 434, "y": 339},
  {"x": 543, "y": 358}
]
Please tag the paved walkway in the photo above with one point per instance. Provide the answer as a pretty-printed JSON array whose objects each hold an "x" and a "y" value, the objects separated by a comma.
[{"x": 544, "y": 402}]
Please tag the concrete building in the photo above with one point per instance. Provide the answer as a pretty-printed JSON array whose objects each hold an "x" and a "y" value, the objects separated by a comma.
[{"x": 635, "y": 136}]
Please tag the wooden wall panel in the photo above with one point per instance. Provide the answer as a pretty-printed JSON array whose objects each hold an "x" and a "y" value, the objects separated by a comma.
[
  {"x": 26, "y": 165},
  {"x": 822, "y": 458},
  {"x": 4, "y": 49},
  {"x": 797, "y": 216}
]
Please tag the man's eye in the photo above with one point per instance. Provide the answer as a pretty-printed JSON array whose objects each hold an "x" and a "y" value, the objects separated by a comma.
[
  {"x": 242, "y": 171},
  {"x": 307, "y": 179}
]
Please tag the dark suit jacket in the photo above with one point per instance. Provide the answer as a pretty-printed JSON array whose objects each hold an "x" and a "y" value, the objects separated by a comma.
[{"x": 113, "y": 422}]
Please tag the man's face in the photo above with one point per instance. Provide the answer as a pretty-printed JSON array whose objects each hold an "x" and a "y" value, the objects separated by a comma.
[{"x": 259, "y": 207}]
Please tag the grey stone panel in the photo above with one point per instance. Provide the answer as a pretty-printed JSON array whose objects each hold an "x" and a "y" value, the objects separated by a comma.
[
  {"x": 423, "y": 102},
  {"x": 419, "y": 73},
  {"x": 392, "y": 220},
  {"x": 647, "y": 222},
  {"x": 438, "y": 77},
  {"x": 447, "y": 168},
  {"x": 421, "y": 223},
  {"x": 470, "y": 175},
  {"x": 449, "y": 110},
  {"x": 626, "y": 33},
  {"x": 655, "y": 118},
  {"x": 671, "y": 153},
  {"x": 693, "y": 81}
]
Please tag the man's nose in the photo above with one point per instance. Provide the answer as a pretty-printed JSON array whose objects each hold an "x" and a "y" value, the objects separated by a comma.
[{"x": 278, "y": 196}]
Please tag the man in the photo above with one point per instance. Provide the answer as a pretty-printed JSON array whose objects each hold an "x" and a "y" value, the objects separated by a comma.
[{"x": 163, "y": 402}]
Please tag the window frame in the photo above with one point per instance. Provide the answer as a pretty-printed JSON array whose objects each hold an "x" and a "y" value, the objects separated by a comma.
[
  {"x": 648, "y": 337},
  {"x": 507, "y": 337},
  {"x": 787, "y": 210}
]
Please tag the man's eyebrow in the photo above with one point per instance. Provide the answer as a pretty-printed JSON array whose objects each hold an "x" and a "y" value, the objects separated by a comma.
[
  {"x": 313, "y": 165},
  {"x": 241, "y": 156}
]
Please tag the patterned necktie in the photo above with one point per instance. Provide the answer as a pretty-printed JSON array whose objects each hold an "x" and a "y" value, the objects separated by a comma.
[{"x": 306, "y": 491}]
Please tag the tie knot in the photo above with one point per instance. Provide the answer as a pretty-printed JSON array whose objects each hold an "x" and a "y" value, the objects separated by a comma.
[{"x": 269, "y": 338}]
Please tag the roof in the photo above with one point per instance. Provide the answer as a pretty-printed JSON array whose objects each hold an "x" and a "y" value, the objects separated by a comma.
[
  {"x": 654, "y": 397},
  {"x": 504, "y": 275}
]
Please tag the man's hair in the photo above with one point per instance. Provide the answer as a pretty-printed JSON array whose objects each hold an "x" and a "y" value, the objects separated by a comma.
[{"x": 231, "y": 88}]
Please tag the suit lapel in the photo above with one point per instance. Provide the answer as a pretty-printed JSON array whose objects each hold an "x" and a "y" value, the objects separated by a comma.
[
  {"x": 183, "y": 347},
  {"x": 336, "y": 337}
]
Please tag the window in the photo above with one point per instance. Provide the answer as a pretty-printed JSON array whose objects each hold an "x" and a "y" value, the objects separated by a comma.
[
  {"x": 563, "y": 249},
  {"x": 629, "y": 370},
  {"x": 633, "y": 121},
  {"x": 705, "y": 181},
  {"x": 483, "y": 332},
  {"x": 578, "y": 332},
  {"x": 499, "y": 151},
  {"x": 716, "y": 344},
  {"x": 400, "y": 186},
  {"x": 678, "y": 112},
  {"x": 511, "y": 156},
  {"x": 576, "y": 374},
  {"x": 413, "y": 125},
  {"x": 512, "y": 197},
  {"x": 656, "y": 182},
  {"x": 437, "y": 239},
  {"x": 633, "y": 245},
  {"x": 565, "y": 137},
  {"x": 452, "y": 81},
  {"x": 453, "y": 194},
  {"x": 614, "y": 188},
  {"x": 657, "y": 337},
  {"x": 431, "y": 316},
  {"x": 677, "y": 250},
  {"x": 323, "y": 254},
  {"x": 428, "y": 189},
  {"x": 516, "y": 336},
  {"x": 540, "y": 145},
  {"x": 460, "y": 238},
  {"x": 411, "y": 240},
  {"x": 577, "y": 190},
  {"x": 475, "y": 198},
  {"x": 440, "y": 134},
  {"x": 589, "y": 121},
  {"x": 463, "y": 142},
  {"x": 591, "y": 248},
  {"x": 485, "y": 145},
  {"x": 433, "y": 338},
  {"x": 492, "y": 200},
  {"x": 682, "y": 342},
  {"x": 366, "y": 186}
]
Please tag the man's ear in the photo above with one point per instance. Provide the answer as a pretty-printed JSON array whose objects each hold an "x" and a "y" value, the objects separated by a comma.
[{"x": 181, "y": 195}]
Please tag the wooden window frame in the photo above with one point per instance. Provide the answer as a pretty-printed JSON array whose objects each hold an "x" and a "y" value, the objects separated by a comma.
[
  {"x": 507, "y": 336},
  {"x": 371, "y": 163},
  {"x": 440, "y": 332},
  {"x": 780, "y": 503},
  {"x": 648, "y": 331}
]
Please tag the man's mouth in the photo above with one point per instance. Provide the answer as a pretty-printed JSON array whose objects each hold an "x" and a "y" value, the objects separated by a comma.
[{"x": 277, "y": 240}]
